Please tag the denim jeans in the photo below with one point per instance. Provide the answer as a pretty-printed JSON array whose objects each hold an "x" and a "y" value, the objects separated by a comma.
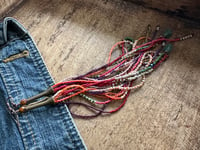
[{"x": 23, "y": 74}]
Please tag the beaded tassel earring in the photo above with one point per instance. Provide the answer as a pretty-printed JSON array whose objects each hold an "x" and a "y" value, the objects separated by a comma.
[{"x": 113, "y": 81}]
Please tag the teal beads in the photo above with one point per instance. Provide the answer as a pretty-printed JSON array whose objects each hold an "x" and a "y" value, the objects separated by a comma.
[
  {"x": 88, "y": 98},
  {"x": 168, "y": 48},
  {"x": 131, "y": 40},
  {"x": 168, "y": 33}
]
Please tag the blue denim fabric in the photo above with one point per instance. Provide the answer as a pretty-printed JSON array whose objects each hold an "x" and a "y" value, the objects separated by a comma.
[{"x": 46, "y": 128}]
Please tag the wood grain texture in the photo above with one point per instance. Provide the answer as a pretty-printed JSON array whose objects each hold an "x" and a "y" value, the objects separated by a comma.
[
  {"x": 8, "y": 5},
  {"x": 75, "y": 36},
  {"x": 189, "y": 9}
]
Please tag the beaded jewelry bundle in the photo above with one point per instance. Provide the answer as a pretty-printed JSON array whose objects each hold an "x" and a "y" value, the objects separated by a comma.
[{"x": 113, "y": 81}]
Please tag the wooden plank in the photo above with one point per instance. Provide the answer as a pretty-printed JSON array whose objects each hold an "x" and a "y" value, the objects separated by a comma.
[
  {"x": 75, "y": 36},
  {"x": 189, "y": 9},
  {"x": 8, "y": 5}
]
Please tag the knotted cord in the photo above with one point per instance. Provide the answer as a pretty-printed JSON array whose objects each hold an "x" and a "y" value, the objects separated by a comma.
[{"x": 113, "y": 81}]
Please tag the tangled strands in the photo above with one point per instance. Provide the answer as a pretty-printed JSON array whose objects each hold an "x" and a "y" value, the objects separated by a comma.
[{"x": 114, "y": 80}]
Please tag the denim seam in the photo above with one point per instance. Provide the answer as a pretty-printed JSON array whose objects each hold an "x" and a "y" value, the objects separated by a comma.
[
  {"x": 70, "y": 128},
  {"x": 47, "y": 74},
  {"x": 34, "y": 58},
  {"x": 14, "y": 86},
  {"x": 79, "y": 138},
  {"x": 38, "y": 61},
  {"x": 5, "y": 83},
  {"x": 8, "y": 73},
  {"x": 31, "y": 130},
  {"x": 66, "y": 125},
  {"x": 24, "y": 139}
]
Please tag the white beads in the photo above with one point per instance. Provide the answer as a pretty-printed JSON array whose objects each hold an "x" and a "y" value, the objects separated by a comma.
[{"x": 186, "y": 37}]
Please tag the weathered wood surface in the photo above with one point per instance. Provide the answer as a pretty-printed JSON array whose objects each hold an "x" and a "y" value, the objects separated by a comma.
[
  {"x": 189, "y": 9},
  {"x": 74, "y": 36},
  {"x": 7, "y": 5}
]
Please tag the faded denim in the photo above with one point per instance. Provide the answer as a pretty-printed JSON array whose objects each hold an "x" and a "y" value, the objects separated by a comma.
[{"x": 45, "y": 128}]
